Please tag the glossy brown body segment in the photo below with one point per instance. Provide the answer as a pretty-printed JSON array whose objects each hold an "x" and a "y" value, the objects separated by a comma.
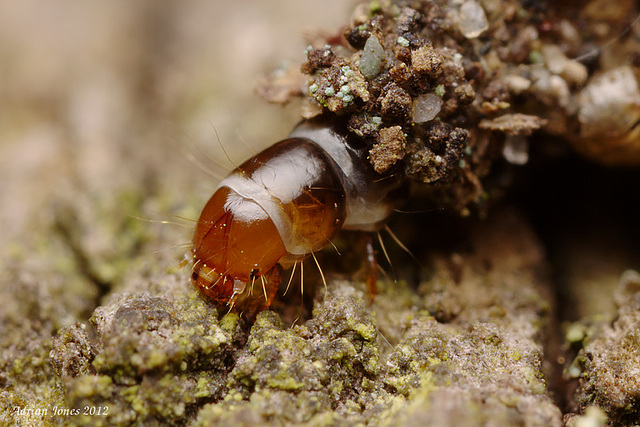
[{"x": 303, "y": 181}]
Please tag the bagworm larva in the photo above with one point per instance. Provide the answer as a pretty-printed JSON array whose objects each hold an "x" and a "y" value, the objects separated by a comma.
[{"x": 282, "y": 205}]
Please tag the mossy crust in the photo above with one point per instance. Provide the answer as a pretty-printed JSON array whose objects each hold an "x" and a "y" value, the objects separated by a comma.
[{"x": 608, "y": 360}]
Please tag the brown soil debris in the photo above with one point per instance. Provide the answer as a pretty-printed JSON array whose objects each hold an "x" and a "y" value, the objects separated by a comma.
[{"x": 389, "y": 149}]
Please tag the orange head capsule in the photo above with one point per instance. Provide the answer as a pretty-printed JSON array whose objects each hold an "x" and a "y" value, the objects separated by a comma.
[{"x": 234, "y": 244}]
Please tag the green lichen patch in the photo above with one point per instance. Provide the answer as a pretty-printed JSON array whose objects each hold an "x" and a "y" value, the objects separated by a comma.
[
  {"x": 330, "y": 354},
  {"x": 152, "y": 359},
  {"x": 438, "y": 369},
  {"x": 301, "y": 375},
  {"x": 72, "y": 354},
  {"x": 33, "y": 307},
  {"x": 144, "y": 335},
  {"x": 450, "y": 355},
  {"x": 610, "y": 359},
  {"x": 279, "y": 359}
]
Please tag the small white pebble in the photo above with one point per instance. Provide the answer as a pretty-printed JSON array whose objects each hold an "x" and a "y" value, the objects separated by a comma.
[
  {"x": 592, "y": 417},
  {"x": 472, "y": 19},
  {"x": 517, "y": 84},
  {"x": 558, "y": 63},
  {"x": 426, "y": 107},
  {"x": 516, "y": 149}
]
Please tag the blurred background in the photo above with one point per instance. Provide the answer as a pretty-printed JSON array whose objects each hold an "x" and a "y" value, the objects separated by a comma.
[{"x": 98, "y": 100}]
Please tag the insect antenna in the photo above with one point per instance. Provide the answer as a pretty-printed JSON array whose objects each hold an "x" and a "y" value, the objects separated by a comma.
[
  {"x": 386, "y": 275},
  {"x": 215, "y": 283},
  {"x": 187, "y": 258},
  {"x": 335, "y": 247},
  {"x": 164, "y": 221},
  {"x": 387, "y": 177},
  {"x": 264, "y": 288},
  {"x": 253, "y": 280},
  {"x": 245, "y": 143},
  {"x": 301, "y": 293},
  {"x": 385, "y": 339},
  {"x": 386, "y": 255},
  {"x": 402, "y": 246},
  {"x": 189, "y": 156},
  {"x": 222, "y": 147},
  {"x": 293, "y": 271},
  {"x": 324, "y": 281},
  {"x": 195, "y": 264},
  {"x": 418, "y": 212},
  {"x": 599, "y": 49},
  {"x": 178, "y": 245},
  {"x": 204, "y": 168},
  {"x": 301, "y": 281}
]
